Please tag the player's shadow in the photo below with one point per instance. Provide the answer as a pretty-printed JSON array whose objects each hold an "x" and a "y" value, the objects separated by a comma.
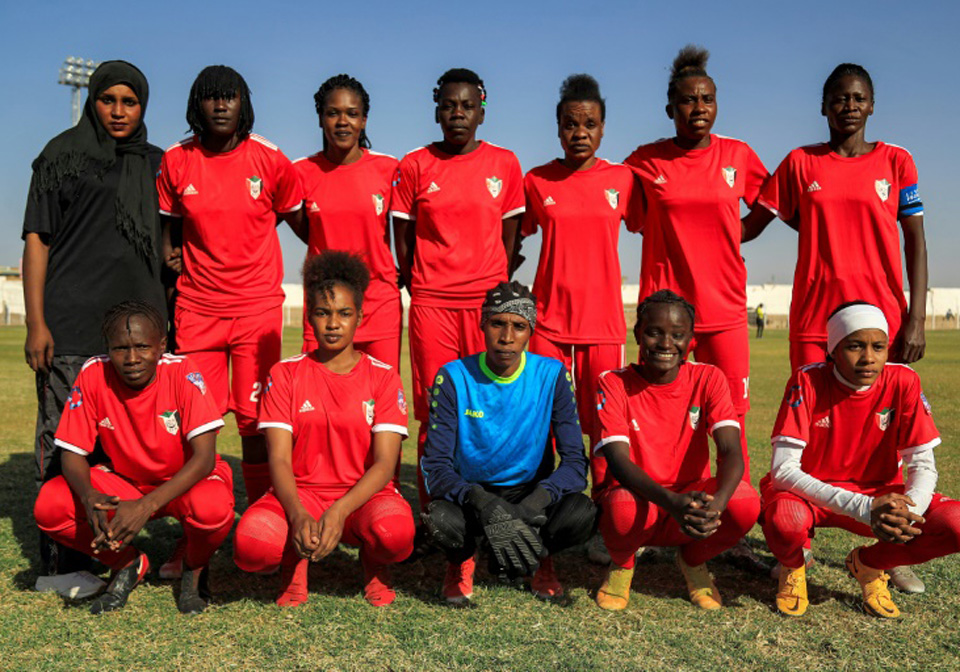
[{"x": 16, "y": 503}]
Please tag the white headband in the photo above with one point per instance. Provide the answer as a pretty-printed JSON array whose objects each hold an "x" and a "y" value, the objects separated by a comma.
[{"x": 851, "y": 319}]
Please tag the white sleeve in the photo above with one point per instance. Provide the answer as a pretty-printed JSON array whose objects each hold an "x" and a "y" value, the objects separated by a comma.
[
  {"x": 921, "y": 479},
  {"x": 786, "y": 474}
]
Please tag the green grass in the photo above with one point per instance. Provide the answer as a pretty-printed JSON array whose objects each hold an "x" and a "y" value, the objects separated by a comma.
[{"x": 507, "y": 629}]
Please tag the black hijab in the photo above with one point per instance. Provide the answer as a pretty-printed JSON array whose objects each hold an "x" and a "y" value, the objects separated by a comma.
[{"x": 88, "y": 148}]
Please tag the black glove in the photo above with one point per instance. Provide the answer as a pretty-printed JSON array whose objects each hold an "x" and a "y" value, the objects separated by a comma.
[
  {"x": 533, "y": 507},
  {"x": 515, "y": 546}
]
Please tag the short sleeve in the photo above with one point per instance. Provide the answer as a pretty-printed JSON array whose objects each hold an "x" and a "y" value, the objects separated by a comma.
[
  {"x": 777, "y": 195},
  {"x": 167, "y": 188},
  {"x": 796, "y": 409},
  {"x": 198, "y": 412},
  {"x": 719, "y": 410},
  {"x": 909, "y": 203},
  {"x": 755, "y": 177},
  {"x": 42, "y": 215},
  {"x": 390, "y": 405},
  {"x": 917, "y": 431},
  {"x": 637, "y": 204},
  {"x": 405, "y": 190},
  {"x": 514, "y": 202},
  {"x": 611, "y": 411},
  {"x": 276, "y": 402},
  {"x": 529, "y": 224},
  {"x": 77, "y": 431},
  {"x": 288, "y": 194}
]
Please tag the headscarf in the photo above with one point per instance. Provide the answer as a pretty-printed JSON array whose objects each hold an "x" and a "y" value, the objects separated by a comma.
[
  {"x": 854, "y": 318},
  {"x": 88, "y": 148},
  {"x": 510, "y": 297}
]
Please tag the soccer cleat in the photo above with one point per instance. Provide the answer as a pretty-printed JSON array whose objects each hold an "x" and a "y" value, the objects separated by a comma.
[
  {"x": 876, "y": 596},
  {"x": 792, "y": 595},
  {"x": 378, "y": 586},
  {"x": 614, "y": 592},
  {"x": 703, "y": 591},
  {"x": 173, "y": 567},
  {"x": 194, "y": 593},
  {"x": 544, "y": 585},
  {"x": 123, "y": 582},
  {"x": 597, "y": 551},
  {"x": 808, "y": 562},
  {"x": 905, "y": 580},
  {"x": 458, "y": 582}
]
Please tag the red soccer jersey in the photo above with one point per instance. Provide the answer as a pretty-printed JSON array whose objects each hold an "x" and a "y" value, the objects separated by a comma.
[
  {"x": 851, "y": 436},
  {"x": 229, "y": 202},
  {"x": 333, "y": 417},
  {"x": 665, "y": 425},
  {"x": 459, "y": 204},
  {"x": 690, "y": 222},
  {"x": 849, "y": 244},
  {"x": 578, "y": 277},
  {"x": 145, "y": 433},
  {"x": 347, "y": 209}
]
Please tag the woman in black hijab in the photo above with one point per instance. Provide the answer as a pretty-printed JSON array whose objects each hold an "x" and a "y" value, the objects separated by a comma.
[{"x": 91, "y": 240}]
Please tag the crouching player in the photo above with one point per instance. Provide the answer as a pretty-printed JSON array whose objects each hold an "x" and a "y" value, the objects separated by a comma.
[
  {"x": 488, "y": 463},
  {"x": 334, "y": 419},
  {"x": 843, "y": 428},
  {"x": 157, "y": 424},
  {"x": 654, "y": 418}
]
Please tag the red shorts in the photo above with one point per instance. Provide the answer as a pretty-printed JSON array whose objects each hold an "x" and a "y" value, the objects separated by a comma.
[
  {"x": 248, "y": 345},
  {"x": 379, "y": 333},
  {"x": 729, "y": 351},
  {"x": 439, "y": 336}
]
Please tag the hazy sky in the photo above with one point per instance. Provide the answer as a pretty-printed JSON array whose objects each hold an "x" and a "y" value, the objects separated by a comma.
[{"x": 769, "y": 61}]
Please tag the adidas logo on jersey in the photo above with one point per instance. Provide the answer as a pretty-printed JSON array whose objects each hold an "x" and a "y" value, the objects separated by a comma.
[
  {"x": 549, "y": 201},
  {"x": 823, "y": 423},
  {"x": 106, "y": 424},
  {"x": 190, "y": 190},
  {"x": 813, "y": 187},
  {"x": 660, "y": 179},
  {"x": 307, "y": 406},
  {"x": 433, "y": 188}
]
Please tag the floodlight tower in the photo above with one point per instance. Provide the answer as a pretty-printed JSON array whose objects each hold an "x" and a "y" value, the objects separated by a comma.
[{"x": 75, "y": 73}]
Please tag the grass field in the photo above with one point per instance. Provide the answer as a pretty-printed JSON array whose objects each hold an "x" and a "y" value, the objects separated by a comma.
[{"x": 507, "y": 629}]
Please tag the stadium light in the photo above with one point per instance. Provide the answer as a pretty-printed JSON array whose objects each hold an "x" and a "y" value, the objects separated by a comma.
[{"x": 75, "y": 73}]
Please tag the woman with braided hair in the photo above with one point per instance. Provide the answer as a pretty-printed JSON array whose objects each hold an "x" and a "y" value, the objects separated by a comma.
[{"x": 347, "y": 191}]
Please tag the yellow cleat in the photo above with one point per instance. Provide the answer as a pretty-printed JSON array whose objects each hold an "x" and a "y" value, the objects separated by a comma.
[
  {"x": 614, "y": 592},
  {"x": 703, "y": 591},
  {"x": 876, "y": 596},
  {"x": 792, "y": 594}
]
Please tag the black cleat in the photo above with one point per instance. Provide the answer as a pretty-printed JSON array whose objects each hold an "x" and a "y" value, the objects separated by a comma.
[
  {"x": 194, "y": 593},
  {"x": 122, "y": 584}
]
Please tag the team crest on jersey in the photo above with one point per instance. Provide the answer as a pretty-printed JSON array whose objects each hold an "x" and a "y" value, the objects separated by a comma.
[
  {"x": 796, "y": 396},
  {"x": 494, "y": 185},
  {"x": 884, "y": 418},
  {"x": 883, "y": 189},
  {"x": 694, "y": 414},
  {"x": 75, "y": 398},
  {"x": 730, "y": 175},
  {"x": 401, "y": 402},
  {"x": 378, "y": 203},
  {"x": 256, "y": 186},
  {"x": 196, "y": 378},
  {"x": 368, "y": 409},
  {"x": 601, "y": 399},
  {"x": 171, "y": 421},
  {"x": 613, "y": 197}
]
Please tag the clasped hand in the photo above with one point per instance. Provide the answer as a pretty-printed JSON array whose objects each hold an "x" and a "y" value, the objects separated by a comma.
[
  {"x": 892, "y": 521},
  {"x": 696, "y": 514}
]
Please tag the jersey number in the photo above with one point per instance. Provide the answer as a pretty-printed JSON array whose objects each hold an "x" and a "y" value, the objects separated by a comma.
[{"x": 255, "y": 395}]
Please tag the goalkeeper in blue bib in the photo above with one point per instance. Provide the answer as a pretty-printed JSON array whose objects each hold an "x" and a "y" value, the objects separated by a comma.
[{"x": 488, "y": 463}]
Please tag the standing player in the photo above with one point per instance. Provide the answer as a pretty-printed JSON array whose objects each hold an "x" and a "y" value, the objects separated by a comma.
[
  {"x": 844, "y": 428},
  {"x": 157, "y": 424},
  {"x": 578, "y": 202},
  {"x": 91, "y": 239},
  {"x": 456, "y": 210},
  {"x": 654, "y": 420},
  {"x": 693, "y": 185},
  {"x": 844, "y": 190},
  {"x": 347, "y": 190},
  {"x": 334, "y": 419},
  {"x": 225, "y": 187}
]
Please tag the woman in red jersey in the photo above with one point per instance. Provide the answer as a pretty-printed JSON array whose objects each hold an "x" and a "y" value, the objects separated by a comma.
[
  {"x": 347, "y": 189},
  {"x": 692, "y": 188},
  {"x": 456, "y": 209},
  {"x": 333, "y": 419},
  {"x": 845, "y": 197},
  {"x": 654, "y": 419}
]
